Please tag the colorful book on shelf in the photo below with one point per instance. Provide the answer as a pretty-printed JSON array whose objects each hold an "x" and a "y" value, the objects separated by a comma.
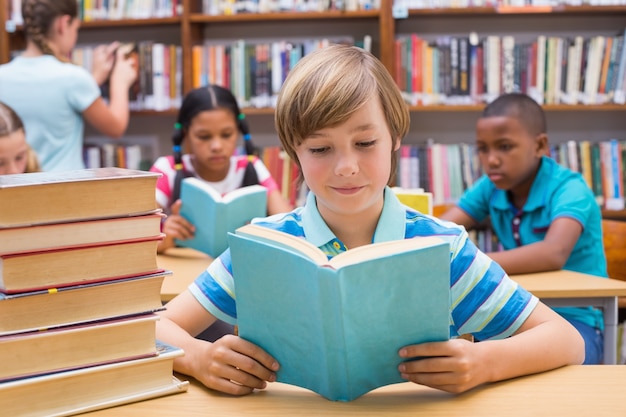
[
  {"x": 46, "y": 309},
  {"x": 79, "y": 233},
  {"x": 31, "y": 271},
  {"x": 336, "y": 326},
  {"x": 93, "y": 388},
  {"x": 416, "y": 198},
  {"x": 214, "y": 215},
  {"x": 97, "y": 343},
  {"x": 98, "y": 193}
]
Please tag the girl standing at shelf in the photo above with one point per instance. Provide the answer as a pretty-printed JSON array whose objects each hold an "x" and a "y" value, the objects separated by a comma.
[
  {"x": 52, "y": 95},
  {"x": 211, "y": 121},
  {"x": 16, "y": 157}
]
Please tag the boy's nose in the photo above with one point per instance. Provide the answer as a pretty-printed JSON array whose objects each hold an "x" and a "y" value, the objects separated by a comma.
[
  {"x": 493, "y": 159},
  {"x": 346, "y": 165}
]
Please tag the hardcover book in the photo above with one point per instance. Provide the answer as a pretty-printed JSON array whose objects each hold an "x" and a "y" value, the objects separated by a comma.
[
  {"x": 46, "y": 309},
  {"x": 214, "y": 215},
  {"x": 336, "y": 326},
  {"x": 32, "y": 271},
  {"x": 79, "y": 233},
  {"x": 98, "y": 193},
  {"x": 93, "y": 388},
  {"x": 97, "y": 343},
  {"x": 416, "y": 198}
]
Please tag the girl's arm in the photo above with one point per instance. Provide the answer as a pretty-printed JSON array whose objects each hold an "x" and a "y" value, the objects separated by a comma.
[
  {"x": 547, "y": 255},
  {"x": 112, "y": 119}
]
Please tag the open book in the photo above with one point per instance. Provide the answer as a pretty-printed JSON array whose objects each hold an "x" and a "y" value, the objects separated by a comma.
[
  {"x": 336, "y": 326},
  {"x": 214, "y": 215}
]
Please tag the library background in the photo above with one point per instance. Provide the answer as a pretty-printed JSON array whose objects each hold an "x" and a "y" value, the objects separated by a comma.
[{"x": 449, "y": 57}]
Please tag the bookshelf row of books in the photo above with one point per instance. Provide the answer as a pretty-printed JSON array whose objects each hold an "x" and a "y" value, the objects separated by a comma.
[
  {"x": 602, "y": 166},
  {"x": 73, "y": 338},
  {"x": 544, "y": 5},
  {"x": 285, "y": 172},
  {"x": 447, "y": 170},
  {"x": 90, "y": 10},
  {"x": 254, "y": 71},
  {"x": 472, "y": 70},
  {"x": 231, "y": 7},
  {"x": 159, "y": 81},
  {"x": 131, "y": 156}
]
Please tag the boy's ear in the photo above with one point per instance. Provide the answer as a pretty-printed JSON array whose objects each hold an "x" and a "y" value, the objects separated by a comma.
[
  {"x": 398, "y": 143},
  {"x": 541, "y": 143}
]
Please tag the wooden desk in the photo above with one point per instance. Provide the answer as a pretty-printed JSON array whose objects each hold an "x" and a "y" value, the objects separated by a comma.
[
  {"x": 569, "y": 288},
  {"x": 573, "y": 391},
  {"x": 186, "y": 264},
  {"x": 556, "y": 289}
]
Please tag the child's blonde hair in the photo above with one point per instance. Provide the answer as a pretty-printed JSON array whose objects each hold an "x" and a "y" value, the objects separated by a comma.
[
  {"x": 10, "y": 122},
  {"x": 327, "y": 86}
]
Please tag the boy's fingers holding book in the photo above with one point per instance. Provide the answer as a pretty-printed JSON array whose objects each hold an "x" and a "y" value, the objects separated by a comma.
[{"x": 238, "y": 361}]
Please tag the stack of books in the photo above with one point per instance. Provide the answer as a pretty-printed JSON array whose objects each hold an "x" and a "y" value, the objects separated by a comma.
[{"x": 79, "y": 291}]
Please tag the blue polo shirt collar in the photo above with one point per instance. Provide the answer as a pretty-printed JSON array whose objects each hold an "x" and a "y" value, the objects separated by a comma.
[
  {"x": 391, "y": 224},
  {"x": 536, "y": 198}
]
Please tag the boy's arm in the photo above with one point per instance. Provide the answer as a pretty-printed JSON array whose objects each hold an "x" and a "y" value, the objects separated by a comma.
[
  {"x": 547, "y": 255},
  {"x": 460, "y": 217},
  {"x": 545, "y": 341},
  {"x": 230, "y": 364}
]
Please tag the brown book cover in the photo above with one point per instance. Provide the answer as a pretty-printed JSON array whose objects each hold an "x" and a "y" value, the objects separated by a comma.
[
  {"x": 64, "y": 267},
  {"x": 94, "y": 388},
  {"x": 80, "y": 233},
  {"x": 97, "y": 343},
  {"x": 97, "y": 193},
  {"x": 30, "y": 311}
]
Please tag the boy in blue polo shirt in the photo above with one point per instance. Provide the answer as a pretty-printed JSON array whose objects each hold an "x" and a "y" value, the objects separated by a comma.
[
  {"x": 341, "y": 117},
  {"x": 544, "y": 215}
]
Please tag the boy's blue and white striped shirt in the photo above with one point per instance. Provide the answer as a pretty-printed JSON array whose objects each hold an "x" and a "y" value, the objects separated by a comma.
[{"x": 484, "y": 300}]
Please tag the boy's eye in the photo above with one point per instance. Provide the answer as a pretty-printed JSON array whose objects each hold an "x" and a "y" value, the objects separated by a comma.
[
  {"x": 505, "y": 147},
  {"x": 481, "y": 149},
  {"x": 319, "y": 150},
  {"x": 366, "y": 144}
]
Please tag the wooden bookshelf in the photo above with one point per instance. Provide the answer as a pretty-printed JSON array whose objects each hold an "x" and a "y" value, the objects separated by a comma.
[{"x": 193, "y": 27}]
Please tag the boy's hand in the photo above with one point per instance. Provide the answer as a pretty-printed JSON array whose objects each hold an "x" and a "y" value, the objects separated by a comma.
[
  {"x": 236, "y": 366},
  {"x": 454, "y": 366},
  {"x": 175, "y": 226}
]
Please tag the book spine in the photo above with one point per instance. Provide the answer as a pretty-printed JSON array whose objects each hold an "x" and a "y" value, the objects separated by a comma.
[{"x": 334, "y": 338}]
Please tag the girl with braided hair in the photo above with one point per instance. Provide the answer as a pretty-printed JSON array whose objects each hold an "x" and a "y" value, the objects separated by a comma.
[
  {"x": 210, "y": 122},
  {"x": 52, "y": 95}
]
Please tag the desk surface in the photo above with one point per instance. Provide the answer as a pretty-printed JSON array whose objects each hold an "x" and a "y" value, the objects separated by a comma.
[
  {"x": 562, "y": 284},
  {"x": 592, "y": 390},
  {"x": 187, "y": 264}
]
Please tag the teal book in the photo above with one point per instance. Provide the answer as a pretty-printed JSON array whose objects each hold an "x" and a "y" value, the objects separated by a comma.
[
  {"x": 336, "y": 326},
  {"x": 214, "y": 215}
]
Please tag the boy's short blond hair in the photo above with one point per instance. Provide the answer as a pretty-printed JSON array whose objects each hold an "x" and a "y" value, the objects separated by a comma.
[{"x": 327, "y": 86}]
